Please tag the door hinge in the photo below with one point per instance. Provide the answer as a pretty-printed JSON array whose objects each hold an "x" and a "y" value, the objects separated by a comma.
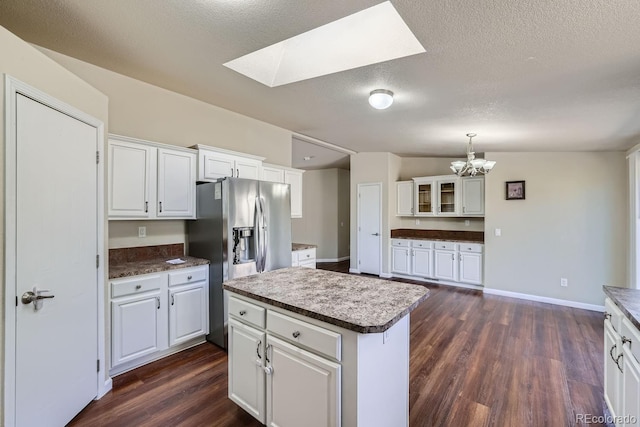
[
  {"x": 17, "y": 300},
  {"x": 97, "y": 261},
  {"x": 97, "y": 157},
  {"x": 98, "y": 365}
]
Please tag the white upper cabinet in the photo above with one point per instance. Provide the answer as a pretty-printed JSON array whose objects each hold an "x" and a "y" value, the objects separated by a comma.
[
  {"x": 148, "y": 180},
  {"x": 294, "y": 179},
  {"x": 272, "y": 173},
  {"x": 404, "y": 195},
  {"x": 472, "y": 196},
  {"x": 215, "y": 163}
]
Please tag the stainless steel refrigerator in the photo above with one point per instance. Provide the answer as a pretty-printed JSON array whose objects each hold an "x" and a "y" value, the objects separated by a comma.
[{"x": 243, "y": 227}]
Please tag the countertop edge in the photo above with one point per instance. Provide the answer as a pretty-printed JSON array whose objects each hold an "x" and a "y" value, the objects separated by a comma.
[
  {"x": 621, "y": 305},
  {"x": 331, "y": 320},
  {"x": 138, "y": 268}
]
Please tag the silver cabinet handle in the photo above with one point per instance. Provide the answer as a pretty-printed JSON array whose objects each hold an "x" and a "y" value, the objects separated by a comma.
[
  {"x": 146, "y": 206},
  {"x": 237, "y": 173},
  {"x": 296, "y": 334},
  {"x": 189, "y": 277},
  {"x": 158, "y": 300},
  {"x": 611, "y": 352},
  {"x": 618, "y": 362},
  {"x": 172, "y": 299},
  {"x": 243, "y": 312},
  {"x": 258, "y": 349},
  {"x": 375, "y": 234},
  {"x": 625, "y": 340},
  {"x": 607, "y": 315},
  {"x": 459, "y": 257},
  {"x": 138, "y": 287},
  {"x": 160, "y": 206},
  {"x": 231, "y": 171}
]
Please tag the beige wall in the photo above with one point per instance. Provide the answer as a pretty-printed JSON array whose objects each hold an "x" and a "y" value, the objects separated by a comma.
[
  {"x": 22, "y": 61},
  {"x": 572, "y": 224},
  {"x": 325, "y": 220},
  {"x": 141, "y": 110}
]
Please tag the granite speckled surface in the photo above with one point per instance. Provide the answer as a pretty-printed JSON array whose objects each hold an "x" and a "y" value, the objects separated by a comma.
[
  {"x": 627, "y": 300},
  {"x": 438, "y": 235},
  {"x": 439, "y": 240},
  {"x": 154, "y": 265},
  {"x": 301, "y": 246},
  {"x": 361, "y": 304}
]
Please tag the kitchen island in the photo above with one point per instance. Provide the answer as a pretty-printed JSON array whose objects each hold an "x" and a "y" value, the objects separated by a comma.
[{"x": 318, "y": 348}]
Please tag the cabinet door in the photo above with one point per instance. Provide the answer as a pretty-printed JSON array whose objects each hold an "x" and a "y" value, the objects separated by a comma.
[
  {"x": 247, "y": 168},
  {"x": 447, "y": 197},
  {"x": 472, "y": 196},
  {"x": 176, "y": 184},
  {"x": 611, "y": 371},
  {"x": 445, "y": 265},
  {"x": 470, "y": 267},
  {"x": 422, "y": 262},
  {"x": 400, "y": 259},
  {"x": 131, "y": 180},
  {"x": 215, "y": 165},
  {"x": 294, "y": 179},
  {"x": 424, "y": 198},
  {"x": 135, "y": 327},
  {"x": 404, "y": 195},
  {"x": 303, "y": 389},
  {"x": 630, "y": 386},
  {"x": 187, "y": 312},
  {"x": 246, "y": 374},
  {"x": 272, "y": 174}
]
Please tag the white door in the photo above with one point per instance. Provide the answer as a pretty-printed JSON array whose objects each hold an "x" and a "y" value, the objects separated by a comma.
[
  {"x": 369, "y": 228},
  {"x": 176, "y": 184},
  {"x": 56, "y": 232}
]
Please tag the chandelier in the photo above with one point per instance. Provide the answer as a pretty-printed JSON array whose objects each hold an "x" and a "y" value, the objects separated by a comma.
[{"x": 472, "y": 166}]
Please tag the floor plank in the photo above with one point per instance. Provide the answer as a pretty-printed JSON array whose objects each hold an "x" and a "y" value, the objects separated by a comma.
[{"x": 476, "y": 360}]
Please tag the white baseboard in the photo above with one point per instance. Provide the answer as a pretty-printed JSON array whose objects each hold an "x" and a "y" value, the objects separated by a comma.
[
  {"x": 548, "y": 300},
  {"x": 354, "y": 270},
  {"x": 106, "y": 388},
  {"x": 344, "y": 258},
  {"x": 438, "y": 282},
  {"x": 386, "y": 275}
]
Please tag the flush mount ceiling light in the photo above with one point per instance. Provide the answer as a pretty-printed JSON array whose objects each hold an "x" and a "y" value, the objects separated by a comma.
[
  {"x": 472, "y": 166},
  {"x": 367, "y": 37},
  {"x": 307, "y": 158},
  {"x": 381, "y": 99}
]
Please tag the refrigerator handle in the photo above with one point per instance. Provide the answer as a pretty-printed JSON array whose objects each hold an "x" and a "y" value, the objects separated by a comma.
[
  {"x": 264, "y": 239},
  {"x": 257, "y": 234}
]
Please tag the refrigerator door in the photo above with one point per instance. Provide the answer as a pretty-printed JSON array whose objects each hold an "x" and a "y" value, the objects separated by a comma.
[
  {"x": 276, "y": 211},
  {"x": 239, "y": 196}
]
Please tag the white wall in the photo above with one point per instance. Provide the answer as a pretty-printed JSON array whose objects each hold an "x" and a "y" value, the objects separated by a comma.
[
  {"x": 22, "y": 61},
  {"x": 141, "y": 110},
  {"x": 325, "y": 220},
  {"x": 572, "y": 224}
]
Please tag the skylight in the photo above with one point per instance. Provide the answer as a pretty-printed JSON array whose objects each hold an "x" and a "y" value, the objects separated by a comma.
[{"x": 367, "y": 37}]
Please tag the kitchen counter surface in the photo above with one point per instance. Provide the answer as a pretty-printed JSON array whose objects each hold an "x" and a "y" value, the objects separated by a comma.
[
  {"x": 361, "y": 304},
  {"x": 155, "y": 265},
  {"x": 627, "y": 300},
  {"x": 302, "y": 246},
  {"x": 439, "y": 240},
  {"x": 438, "y": 235}
]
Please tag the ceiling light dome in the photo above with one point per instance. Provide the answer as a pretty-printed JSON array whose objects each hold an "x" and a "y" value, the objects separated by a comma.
[{"x": 381, "y": 99}]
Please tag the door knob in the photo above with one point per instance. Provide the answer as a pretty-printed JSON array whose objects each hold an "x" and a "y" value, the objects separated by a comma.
[
  {"x": 34, "y": 297},
  {"x": 375, "y": 234}
]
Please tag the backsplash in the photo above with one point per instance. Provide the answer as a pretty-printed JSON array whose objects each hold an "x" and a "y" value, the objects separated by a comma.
[{"x": 143, "y": 253}]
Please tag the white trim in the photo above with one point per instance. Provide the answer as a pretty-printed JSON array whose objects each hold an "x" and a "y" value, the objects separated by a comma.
[
  {"x": 104, "y": 388},
  {"x": 386, "y": 275},
  {"x": 547, "y": 300},
  {"x": 354, "y": 271},
  {"x": 123, "y": 138},
  {"x": 359, "y": 186},
  {"x": 322, "y": 143},
  {"x": 12, "y": 88},
  {"x": 216, "y": 150},
  {"x": 436, "y": 282},
  {"x": 344, "y": 258}
]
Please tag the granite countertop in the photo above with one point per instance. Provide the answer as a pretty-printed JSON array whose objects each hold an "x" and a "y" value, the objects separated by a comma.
[
  {"x": 361, "y": 304},
  {"x": 628, "y": 300},
  {"x": 301, "y": 246},
  {"x": 439, "y": 240},
  {"x": 154, "y": 265}
]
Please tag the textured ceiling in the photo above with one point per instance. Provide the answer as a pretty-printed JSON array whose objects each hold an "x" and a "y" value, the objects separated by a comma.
[{"x": 557, "y": 75}]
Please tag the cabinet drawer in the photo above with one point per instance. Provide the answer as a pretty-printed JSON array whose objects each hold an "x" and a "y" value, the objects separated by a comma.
[
  {"x": 135, "y": 285},
  {"x": 450, "y": 246},
  {"x": 306, "y": 254},
  {"x": 421, "y": 244},
  {"x": 403, "y": 243},
  {"x": 311, "y": 336},
  {"x": 246, "y": 312},
  {"x": 630, "y": 332},
  {"x": 471, "y": 247},
  {"x": 615, "y": 318},
  {"x": 186, "y": 276}
]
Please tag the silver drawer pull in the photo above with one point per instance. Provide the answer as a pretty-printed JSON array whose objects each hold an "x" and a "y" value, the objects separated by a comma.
[
  {"x": 138, "y": 287},
  {"x": 243, "y": 312},
  {"x": 625, "y": 340},
  {"x": 296, "y": 334},
  {"x": 189, "y": 277}
]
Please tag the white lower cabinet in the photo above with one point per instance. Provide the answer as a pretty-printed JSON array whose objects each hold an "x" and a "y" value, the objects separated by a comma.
[
  {"x": 153, "y": 315},
  {"x": 303, "y": 389},
  {"x": 445, "y": 265},
  {"x": 304, "y": 258},
  {"x": 422, "y": 262}
]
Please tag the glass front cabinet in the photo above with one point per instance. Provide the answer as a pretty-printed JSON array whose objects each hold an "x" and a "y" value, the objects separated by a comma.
[{"x": 436, "y": 196}]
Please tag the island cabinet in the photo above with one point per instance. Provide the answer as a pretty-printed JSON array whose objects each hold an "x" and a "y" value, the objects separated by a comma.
[
  {"x": 290, "y": 369},
  {"x": 148, "y": 180},
  {"x": 157, "y": 314}
]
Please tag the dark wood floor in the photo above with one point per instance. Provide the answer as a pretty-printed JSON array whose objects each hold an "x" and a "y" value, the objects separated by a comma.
[{"x": 476, "y": 360}]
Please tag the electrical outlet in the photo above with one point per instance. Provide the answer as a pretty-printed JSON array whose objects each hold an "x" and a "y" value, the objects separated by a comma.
[
  {"x": 142, "y": 231},
  {"x": 564, "y": 282},
  {"x": 498, "y": 232},
  {"x": 417, "y": 222}
]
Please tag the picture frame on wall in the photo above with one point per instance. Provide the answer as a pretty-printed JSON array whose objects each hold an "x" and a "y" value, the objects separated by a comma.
[{"x": 514, "y": 190}]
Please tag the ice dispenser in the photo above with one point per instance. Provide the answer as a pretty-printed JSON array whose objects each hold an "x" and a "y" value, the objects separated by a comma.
[{"x": 243, "y": 245}]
